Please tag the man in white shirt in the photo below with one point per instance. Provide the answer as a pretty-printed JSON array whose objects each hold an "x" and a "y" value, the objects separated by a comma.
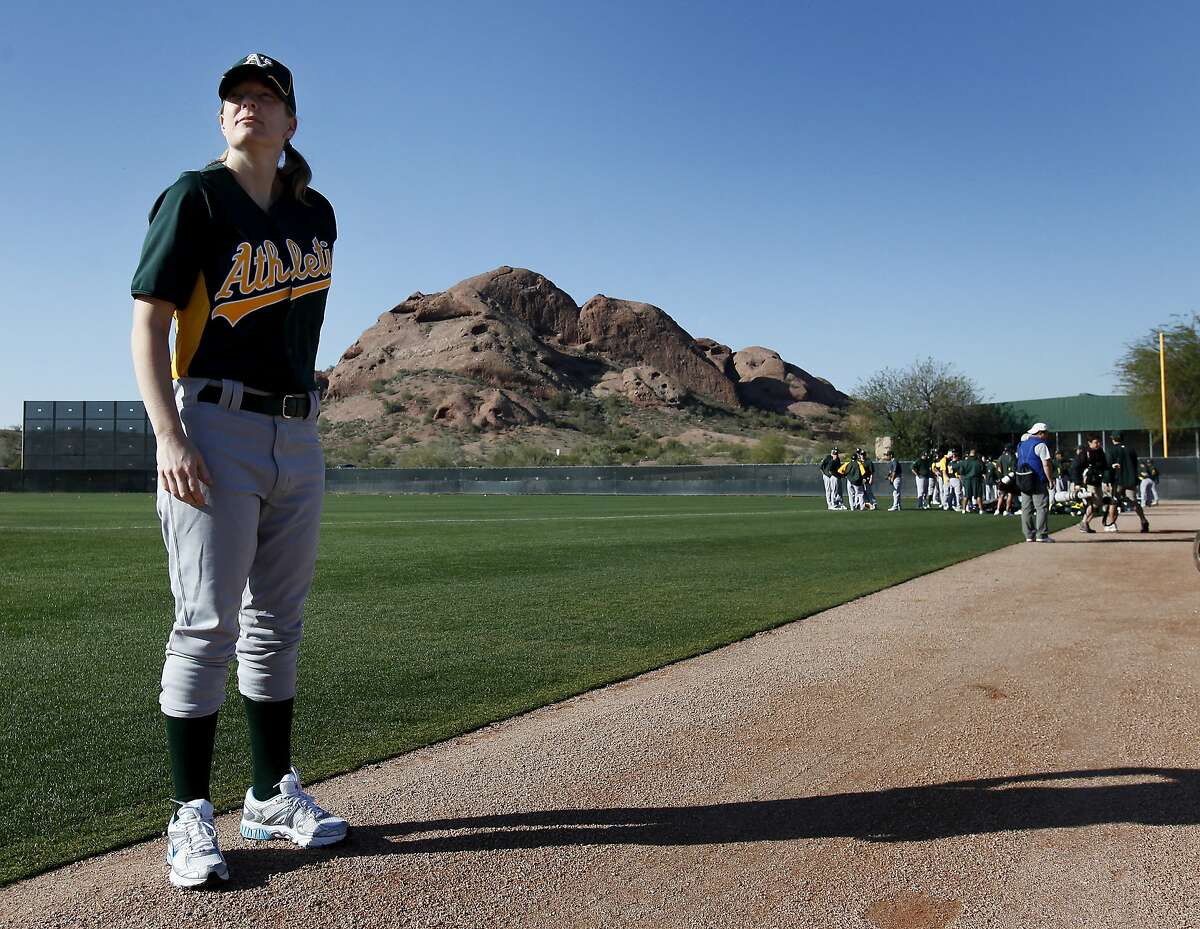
[{"x": 1033, "y": 466}]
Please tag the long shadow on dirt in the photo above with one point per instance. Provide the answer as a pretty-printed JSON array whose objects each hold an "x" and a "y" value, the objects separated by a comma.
[{"x": 1057, "y": 800}]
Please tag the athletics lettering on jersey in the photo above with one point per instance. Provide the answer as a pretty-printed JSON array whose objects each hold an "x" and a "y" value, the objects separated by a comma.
[
  {"x": 212, "y": 251},
  {"x": 258, "y": 277}
]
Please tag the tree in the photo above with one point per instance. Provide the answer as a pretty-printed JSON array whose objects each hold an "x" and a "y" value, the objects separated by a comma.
[
  {"x": 1138, "y": 372},
  {"x": 10, "y": 447},
  {"x": 924, "y": 405}
]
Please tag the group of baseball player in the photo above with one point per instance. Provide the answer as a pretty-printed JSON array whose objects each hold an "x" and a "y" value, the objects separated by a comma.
[
  {"x": 1108, "y": 484},
  {"x": 969, "y": 483},
  {"x": 858, "y": 473}
]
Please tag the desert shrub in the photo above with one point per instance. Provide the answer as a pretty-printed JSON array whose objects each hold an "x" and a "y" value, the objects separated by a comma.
[
  {"x": 521, "y": 455},
  {"x": 676, "y": 453},
  {"x": 584, "y": 417},
  {"x": 633, "y": 449},
  {"x": 594, "y": 454},
  {"x": 770, "y": 449},
  {"x": 440, "y": 453},
  {"x": 381, "y": 458},
  {"x": 557, "y": 402},
  {"x": 615, "y": 406},
  {"x": 352, "y": 453},
  {"x": 494, "y": 372},
  {"x": 737, "y": 452}
]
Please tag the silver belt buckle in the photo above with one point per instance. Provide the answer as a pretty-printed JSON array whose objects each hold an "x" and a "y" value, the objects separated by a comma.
[{"x": 286, "y": 397}]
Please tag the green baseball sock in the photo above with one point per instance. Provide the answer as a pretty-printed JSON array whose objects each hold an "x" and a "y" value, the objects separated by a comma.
[
  {"x": 190, "y": 747},
  {"x": 270, "y": 723}
]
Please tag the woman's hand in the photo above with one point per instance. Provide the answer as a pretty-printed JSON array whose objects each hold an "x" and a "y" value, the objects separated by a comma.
[
  {"x": 182, "y": 471},
  {"x": 181, "y": 468}
]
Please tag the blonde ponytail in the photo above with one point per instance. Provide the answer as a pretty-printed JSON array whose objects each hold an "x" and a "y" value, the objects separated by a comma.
[{"x": 295, "y": 173}]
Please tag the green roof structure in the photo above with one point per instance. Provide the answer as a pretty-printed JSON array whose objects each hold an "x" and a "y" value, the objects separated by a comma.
[{"x": 1081, "y": 413}]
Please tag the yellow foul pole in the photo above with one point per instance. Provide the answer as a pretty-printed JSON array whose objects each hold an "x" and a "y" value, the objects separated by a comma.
[{"x": 1162, "y": 380}]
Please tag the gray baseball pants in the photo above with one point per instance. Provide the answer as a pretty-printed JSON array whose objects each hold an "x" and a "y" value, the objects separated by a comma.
[
  {"x": 242, "y": 565},
  {"x": 1032, "y": 504}
]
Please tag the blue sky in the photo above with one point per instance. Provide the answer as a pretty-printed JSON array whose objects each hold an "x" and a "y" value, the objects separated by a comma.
[{"x": 1009, "y": 187}]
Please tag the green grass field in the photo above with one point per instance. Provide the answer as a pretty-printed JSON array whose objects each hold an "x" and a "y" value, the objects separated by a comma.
[{"x": 429, "y": 617}]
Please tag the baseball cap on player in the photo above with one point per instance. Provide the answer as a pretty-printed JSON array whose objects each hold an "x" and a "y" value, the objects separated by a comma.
[
  {"x": 1037, "y": 427},
  {"x": 264, "y": 68}
]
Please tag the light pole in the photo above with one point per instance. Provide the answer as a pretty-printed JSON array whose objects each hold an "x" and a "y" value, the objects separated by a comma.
[{"x": 1162, "y": 380}]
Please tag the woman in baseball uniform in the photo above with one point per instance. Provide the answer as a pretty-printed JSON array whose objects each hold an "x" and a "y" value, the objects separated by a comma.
[{"x": 239, "y": 255}]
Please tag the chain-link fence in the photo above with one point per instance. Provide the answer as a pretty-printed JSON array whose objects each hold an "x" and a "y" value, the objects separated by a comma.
[
  {"x": 690, "y": 479},
  {"x": 1180, "y": 480},
  {"x": 77, "y": 481}
]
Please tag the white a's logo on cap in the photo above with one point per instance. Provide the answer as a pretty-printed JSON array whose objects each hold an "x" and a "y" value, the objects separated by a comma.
[{"x": 261, "y": 61}]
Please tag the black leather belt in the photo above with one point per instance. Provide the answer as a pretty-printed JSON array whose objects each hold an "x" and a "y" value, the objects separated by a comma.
[{"x": 289, "y": 406}]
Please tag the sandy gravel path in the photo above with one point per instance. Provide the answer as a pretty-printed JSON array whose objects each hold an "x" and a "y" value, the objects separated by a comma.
[{"x": 1010, "y": 742}]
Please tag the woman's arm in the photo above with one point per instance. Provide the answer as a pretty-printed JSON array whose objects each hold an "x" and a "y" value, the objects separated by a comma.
[{"x": 181, "y": 469}]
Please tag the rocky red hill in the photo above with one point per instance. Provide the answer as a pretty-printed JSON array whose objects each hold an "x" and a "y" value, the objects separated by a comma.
[
  {"x": 514, "y": 331},
  {"x": 507, "y": 359}
]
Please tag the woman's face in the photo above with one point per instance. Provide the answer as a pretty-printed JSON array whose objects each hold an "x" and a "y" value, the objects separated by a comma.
[{"x": 255, "y": 117}]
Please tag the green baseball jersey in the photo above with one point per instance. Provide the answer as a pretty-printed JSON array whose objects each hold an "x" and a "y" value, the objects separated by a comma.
[
  {"x": 1124, "y": 466},
  {"x": 970, "y": 468},
  {"x": 248, "y": 285},
  {"x": 921, "y": 466}
]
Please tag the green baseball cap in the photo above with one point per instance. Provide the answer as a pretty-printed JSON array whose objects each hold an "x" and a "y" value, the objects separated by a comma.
[{"x": 264, "y": 68}]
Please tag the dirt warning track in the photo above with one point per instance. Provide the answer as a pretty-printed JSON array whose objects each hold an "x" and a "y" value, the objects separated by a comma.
[{"x": 1010, "y": 742}]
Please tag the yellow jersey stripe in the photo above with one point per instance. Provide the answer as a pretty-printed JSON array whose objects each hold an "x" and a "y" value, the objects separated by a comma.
[
  {"x": 236, "y": 310},
  {"x": 189, "y": 326},
  {"x": 310, "y": 288}
]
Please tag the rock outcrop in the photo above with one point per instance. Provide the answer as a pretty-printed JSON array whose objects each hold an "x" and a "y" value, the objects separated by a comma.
[
  {"x": 635, "y": 333},
  {"x": 768, "y": 382},
  {"x": 720, "y": 355},
  {"x": 517, "y": 339},
  {"x": 643, "y": 386}
]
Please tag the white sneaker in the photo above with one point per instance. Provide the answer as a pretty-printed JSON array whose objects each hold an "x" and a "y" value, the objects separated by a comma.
[
  {"x": 192, "y": 851},
  {"x": 1111, "y": 528},
  {"x": 291, "y": 814}
]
